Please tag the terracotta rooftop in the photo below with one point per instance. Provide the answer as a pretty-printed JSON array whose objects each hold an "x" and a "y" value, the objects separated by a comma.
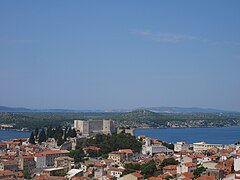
[
  {"x": 188, "y": 175},
  {"x": 9, "y": 163},
  {"x": 99, "y": 165},
  {"x": 5, "y": 173},
  {"x": 94, "y": 148},
  {"x": 55, "y": 152},
  {"x": 190, "y": 164},
  {"x": 206, "y": 178},
  {"x": 127, "y": 151},
  {"x": 170, "y": 167},
  {"x": 115, "y": 169},
  {"x": 137, "y": 175}
]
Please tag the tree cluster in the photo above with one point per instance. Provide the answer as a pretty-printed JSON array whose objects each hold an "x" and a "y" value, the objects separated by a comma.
[
  {"x": 109, "y": 143},
  {"x": 197, "y": 172},
  {"x": 39, "y": 137},
  {"x": 58, "y": 133}
]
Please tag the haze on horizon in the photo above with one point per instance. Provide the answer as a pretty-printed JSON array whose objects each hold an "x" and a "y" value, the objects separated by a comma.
[{"x": 120, "y": 54}]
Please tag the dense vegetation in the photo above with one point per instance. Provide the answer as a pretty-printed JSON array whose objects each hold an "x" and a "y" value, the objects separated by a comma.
[
  {"x": 60, "y": 134},
  {"x": 149, "y": 169},
  {"x": 138, "y": 118},
  {"x": 108, "y": 143},
  {"x": 197, "y": 172}
]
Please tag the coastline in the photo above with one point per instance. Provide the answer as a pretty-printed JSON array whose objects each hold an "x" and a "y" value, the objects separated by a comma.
[{"x": 184, "y": 127}]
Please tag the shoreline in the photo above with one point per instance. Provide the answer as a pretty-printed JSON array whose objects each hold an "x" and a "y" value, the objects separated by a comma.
[{"x": 184, "y": 127}]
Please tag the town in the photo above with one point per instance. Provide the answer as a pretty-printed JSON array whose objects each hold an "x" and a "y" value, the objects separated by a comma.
[{"x": 97, "y": 149}]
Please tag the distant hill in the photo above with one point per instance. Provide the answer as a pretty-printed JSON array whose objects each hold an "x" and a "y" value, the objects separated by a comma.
[
  {"x": 140, "y": 115},
  {"x": 14, "y": 109},
  {"x": 170, "y": 110},
  {"x": 192, "y": 110},
  {"x": 22, "y": 109}
]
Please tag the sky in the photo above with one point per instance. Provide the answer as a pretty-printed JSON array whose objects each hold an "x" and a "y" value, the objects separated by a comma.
[{"x": 120, "y": 54}]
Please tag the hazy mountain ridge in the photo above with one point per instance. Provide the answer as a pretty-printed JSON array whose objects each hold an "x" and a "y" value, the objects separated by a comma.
[
  {"x": 187, "y": 110},
  {"x": 153, "y": 109}
]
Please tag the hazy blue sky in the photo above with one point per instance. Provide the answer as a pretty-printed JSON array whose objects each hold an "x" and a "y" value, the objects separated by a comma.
[{"x": 120, "y": 54}]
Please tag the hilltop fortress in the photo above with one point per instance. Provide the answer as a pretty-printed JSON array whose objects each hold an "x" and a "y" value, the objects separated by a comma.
[{"x": 92, "y": 127}]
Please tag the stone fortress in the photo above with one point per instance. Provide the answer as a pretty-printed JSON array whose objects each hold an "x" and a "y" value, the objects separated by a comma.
[{"x": 92, "y": 127}]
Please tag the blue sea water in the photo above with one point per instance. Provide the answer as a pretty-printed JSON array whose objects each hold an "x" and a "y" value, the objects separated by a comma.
[
  {"x": 10, "y": 134},
  {"x": 218, "y": 135}
]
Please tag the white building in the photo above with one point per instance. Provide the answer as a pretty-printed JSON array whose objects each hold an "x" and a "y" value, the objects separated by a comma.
[
  {"x": 47, "y": 158},
  {"x": 40, "y": 160},
  {"x": 186, "y": 167},
  {"x": 237, "y": 164},
  {"x": 91, "y": 127},
  {"x": 202, "y": 146},
  {"x": 151, "y": 149},
  {"x": 115, "y": 172},
  {"x": 181, "y": 146}
]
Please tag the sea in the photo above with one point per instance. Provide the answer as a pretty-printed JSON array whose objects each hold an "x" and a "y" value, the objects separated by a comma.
[
  {"x": 215, "y": 135},
  {"x": 11, "y": 134}
]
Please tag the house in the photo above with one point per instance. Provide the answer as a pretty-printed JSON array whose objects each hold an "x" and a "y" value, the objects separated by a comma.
[
  {"x": 186, "y": 176},
  {"x": 74, "y": 173},
  {"x": 132, "y": 176},
  {"x": 172, "y": 169},
  {"x": 46, "y": 177},
  {"x": 99, "y": 170},
  {"x": 27, "y": 163},
  {"x": 40, "y": 160},
  {"x": 181, "y": 146},
  {"x": 186, "y": 167},
  {"x": 60, "y": 171},
  {"x": 64, "y": 162},
  {"x": 227, "y": 165},
  {"x": 108, "y": 162},
  {"x": 92, "y": 148},
  {"x": 128, "y": 153},
  {"x": 202, "y": 146},
  {"x": 4, "y": 174},
  {"x": 106, "y": 177},
  {"x": 117, "y": 157},
  {"x": 206, "y": 178},
  {"x": 115, "y": 172},
  {"x": 47, "y": 158},
  {"x": 185, "y": 158},
  {"x": 150, "y": 149},
  {"x": 52, "y": 154},
  {"x": 209, "y": 165},
  {"x": 236, "y": 163},
  {"x": 216, "y": 173},
  {"x": 11, "y": 165}
]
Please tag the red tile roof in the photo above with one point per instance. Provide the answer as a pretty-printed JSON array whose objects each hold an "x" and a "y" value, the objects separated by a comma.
[
  {"x": 137, "y": 175},
  {"x": 127, "y": 151},
  {"x": 206, "y": 178},
  {"x": 190, "y": 164}
]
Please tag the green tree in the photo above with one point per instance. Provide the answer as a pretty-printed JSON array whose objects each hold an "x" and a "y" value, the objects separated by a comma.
[
  {"x": 93, "y": 153},
  {"x": 50, "y": 132},
  {"x": 130, "y": 168},
  {"x": 72, "y": 132},
  {"x": 27, "y": 175},
  {"x": 36, "y": 133},
  {"x": 197, "y": 172},
  {"x": 78, "y": 155},
  {"x": 32, "y": 139},
  {"x": 148, "y": 169},
  {"x": 42, "y": 136},
  {"x": 60, "y": 141},
  {"x": 168, "y": 161}
]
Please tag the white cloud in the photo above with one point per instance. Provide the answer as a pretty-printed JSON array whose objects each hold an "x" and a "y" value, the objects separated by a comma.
[{"x": 169, "y": 37}]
